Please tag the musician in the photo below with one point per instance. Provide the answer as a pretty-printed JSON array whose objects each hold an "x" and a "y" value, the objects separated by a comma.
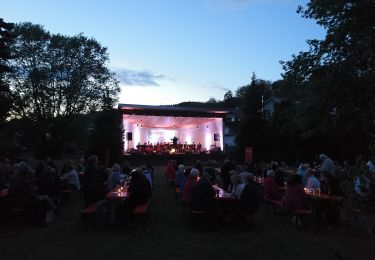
[{"x": 174, "y": 141}]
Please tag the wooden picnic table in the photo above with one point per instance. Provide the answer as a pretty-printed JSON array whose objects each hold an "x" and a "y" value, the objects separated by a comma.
[
  {"x": 118, "y": 193},
  {"x": 3, "y": 193},
  {"x": 221, "y": 194}
]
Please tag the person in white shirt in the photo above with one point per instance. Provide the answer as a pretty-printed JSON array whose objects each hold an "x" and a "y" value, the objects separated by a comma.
[
  {"x": 312, "y": 182},
  {"x": 70, "y": 178},
  {"x": 327, "y": 166},
  {"x": 148, "y": 173},
  {"x": 237, "y": 185},
  {"x": 371, "y": 166}
]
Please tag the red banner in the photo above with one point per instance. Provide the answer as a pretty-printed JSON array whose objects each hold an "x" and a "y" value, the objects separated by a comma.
[{"x": 248, "y": 155}]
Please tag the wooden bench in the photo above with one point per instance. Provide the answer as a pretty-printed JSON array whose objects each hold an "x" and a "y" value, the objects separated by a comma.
[
  {"x": 89, "y": 213},
  {"x": 299, "y": 213},
  {"x": 274, "y": 203},
  {"x": 177, "y": 194},
  {"x": 197, "y": 219},
  {"x": 197, "y": 212},
  {"x": 352, "y": 214},
  {"x": 141, "y": 210}
]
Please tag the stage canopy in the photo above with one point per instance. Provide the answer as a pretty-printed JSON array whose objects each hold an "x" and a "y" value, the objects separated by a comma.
[{"x": 159, "y": 124}]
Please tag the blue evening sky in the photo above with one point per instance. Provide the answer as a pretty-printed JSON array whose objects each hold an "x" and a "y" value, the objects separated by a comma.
[{"x": 169, "y": 51}]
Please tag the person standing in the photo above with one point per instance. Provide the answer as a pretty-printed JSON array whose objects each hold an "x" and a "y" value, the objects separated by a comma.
[
  {"x": 327, "y": 166},
  {"x": 92, "y": 182}
]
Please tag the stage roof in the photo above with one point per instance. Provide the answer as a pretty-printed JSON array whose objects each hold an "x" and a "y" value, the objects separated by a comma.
[
  {"x": 173, "y": 111},
  {"x": 168, "y": 121}
]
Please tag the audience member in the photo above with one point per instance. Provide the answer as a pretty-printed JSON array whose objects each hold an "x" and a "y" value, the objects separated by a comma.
[
  {"x": 224, "y": 174},
  {"x": 93, "y": 182},
  {"x": 22, "y": 195},
  {"x": 237, "y": 185},
  {"x": 295, "y": 194},
  {"x": 70, "y": 179},
  {"x": 191, "y": 181},
  {"x": 312, "y": 182},
  {"x": 270, "y": 187},
  {"x": 180, "y": 175},
  {"x": 148, "y": 172},
  {"x": 327, "y": 166},
  {"x": 114, "y": 178},
  {"x": 139, "y": 190},
  {"x": 249, "y": 201}
]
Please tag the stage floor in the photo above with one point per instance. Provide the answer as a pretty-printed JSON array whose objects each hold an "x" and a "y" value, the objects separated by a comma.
[{"x": 162, "y": 159}]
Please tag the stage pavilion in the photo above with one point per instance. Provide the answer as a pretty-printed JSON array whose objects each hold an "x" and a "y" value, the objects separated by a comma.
[{"x": 172, "y": 129}]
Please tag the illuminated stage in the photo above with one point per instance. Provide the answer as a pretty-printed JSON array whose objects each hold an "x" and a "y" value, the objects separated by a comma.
[{"x": 151, "y": 129}]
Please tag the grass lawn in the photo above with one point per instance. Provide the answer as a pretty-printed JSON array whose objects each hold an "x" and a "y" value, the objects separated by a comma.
[{"x": 169, "y": 235}]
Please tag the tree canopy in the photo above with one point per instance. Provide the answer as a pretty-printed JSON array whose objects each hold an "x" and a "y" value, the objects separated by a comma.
[
  {"x": 6, "y": 38},
  {"x": 332, "y": 84},
  {"x": 56, "y": 75},
  {"x": 55, "y": 78}
]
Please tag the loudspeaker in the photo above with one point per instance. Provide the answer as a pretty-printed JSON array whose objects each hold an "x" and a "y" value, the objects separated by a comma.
[
  {"x": 216, "y": 137},
  {"x": 129, "y": 136}
]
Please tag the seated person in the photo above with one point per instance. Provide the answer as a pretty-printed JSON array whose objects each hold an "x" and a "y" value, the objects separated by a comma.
[
  {"x": 190, "y": 182},
  {"x": 295, "y": 194},
  {"x": 211, "y": 171},
  {"x": 237, "y": 185},
  {"x": 49, "y": 183},
  {"x": 22, "y": 195},
  {"x": 249, "y": 200},
  {"x": 171, "y": 170},
  {"x": 139, "y": 189},
  {"x": 179, "y": 175},
  {"x": 270, "y": 187},
  {"x": 203, "y": 195},
  {"x": 70, "y": 179},
  {"x": 93, "y": 181},
  {"x": 148, "y": 173},
  {"x": 312, "y": 182},
  {"x": 302, "y": 171},
  {"x": 114, "y": 178},
  {"x": 329, "y": 208}
]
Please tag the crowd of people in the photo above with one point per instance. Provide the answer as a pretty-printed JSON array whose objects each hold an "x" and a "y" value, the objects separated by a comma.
[
  {"x": 350, "y": 187},
  {"x": 196, "y": 185},
  {"x": 39, "y": 189}
]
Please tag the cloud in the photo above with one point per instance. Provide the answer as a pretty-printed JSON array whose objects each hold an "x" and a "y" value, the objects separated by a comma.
[
  {"x": 217, "y": 85},
  {"x": 144, "y": 78}
]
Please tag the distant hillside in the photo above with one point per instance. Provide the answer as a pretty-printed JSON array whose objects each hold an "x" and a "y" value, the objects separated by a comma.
[{"x": 208, "y": 104}]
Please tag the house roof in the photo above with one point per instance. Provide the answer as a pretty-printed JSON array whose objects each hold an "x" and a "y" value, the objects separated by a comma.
[{"x": 274, "y": 99}]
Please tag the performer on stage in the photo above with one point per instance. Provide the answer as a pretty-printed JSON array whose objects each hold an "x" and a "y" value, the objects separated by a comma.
[{"x": 174, "y": 140}]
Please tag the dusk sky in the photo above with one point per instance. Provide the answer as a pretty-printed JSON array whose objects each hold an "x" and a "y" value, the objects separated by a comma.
[{"x": 166, "y": 52}]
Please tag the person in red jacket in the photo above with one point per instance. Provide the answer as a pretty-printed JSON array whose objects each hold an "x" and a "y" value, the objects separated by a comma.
[
  {"x": 189, "y": 184},
  {"x": 270, "y": 187},
  {"x": 295, "y": 197},
  {"x": 171, "y": 171}
]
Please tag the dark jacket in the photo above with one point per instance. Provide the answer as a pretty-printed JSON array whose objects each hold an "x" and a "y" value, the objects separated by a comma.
[
  {"x": 202, "y": 195},
  {"x": 250, "y": 197},
  {"x": 139, "y": 188}
]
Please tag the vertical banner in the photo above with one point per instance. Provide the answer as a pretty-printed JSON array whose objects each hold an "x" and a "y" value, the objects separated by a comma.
[{"x": 248, "y": 155}]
